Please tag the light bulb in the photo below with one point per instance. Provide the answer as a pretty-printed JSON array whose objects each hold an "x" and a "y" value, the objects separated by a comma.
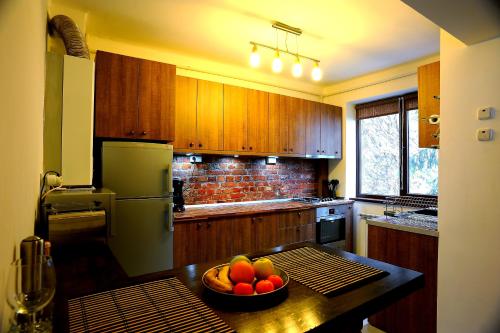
[
  {"x": 297, "y": 68},
  {"x": 277, "y": 66},
  {"x": 254, "y": 57},
  {"x": 316, "y": 72}
]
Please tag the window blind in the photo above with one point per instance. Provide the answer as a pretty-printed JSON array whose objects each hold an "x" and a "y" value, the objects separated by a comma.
[{"x": 387, "y": 106}]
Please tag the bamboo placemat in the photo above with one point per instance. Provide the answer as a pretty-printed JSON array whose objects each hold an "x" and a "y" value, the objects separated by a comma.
[
  {"x": 323, "y": 272},
  {"x": 159, "y": 306}
]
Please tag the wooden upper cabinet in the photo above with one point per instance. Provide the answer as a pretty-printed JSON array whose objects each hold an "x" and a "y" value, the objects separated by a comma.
[
  {"x": 275, "y": 142},
  {"x": 209, "y": 116},
  {"x": 328, "y": 130},
  {"x": 156, "y": 101},
  {"x": 235, "y": 118},
  {"x": 116, "y": 94},
  {"x": 337, "y": 132},
  {"x": 296, "y": 126},
  {"x": 428, "y": 104},
  {"x": 313, "y": 127},
  {"x": 258, "y": 121},
  {"x": 135, "y": 98},
  {"x": 185, "y": 112}
]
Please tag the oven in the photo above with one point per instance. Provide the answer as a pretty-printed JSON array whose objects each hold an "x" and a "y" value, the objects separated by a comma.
[{"x": 330, "y": 227}]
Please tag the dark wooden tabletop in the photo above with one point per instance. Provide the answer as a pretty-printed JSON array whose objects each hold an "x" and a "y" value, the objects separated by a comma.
[{"x": 303, "y": 310}]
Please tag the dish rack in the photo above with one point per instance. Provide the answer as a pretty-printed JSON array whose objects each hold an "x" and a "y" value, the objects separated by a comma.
[{"x": 398, "y": 204}]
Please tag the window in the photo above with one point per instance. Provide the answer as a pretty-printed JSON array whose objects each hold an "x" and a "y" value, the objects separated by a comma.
[{"x": 389, "y": 161}]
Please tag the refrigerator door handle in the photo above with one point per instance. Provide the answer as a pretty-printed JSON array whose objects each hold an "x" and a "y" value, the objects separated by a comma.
[
  {"x": 169, "y": 179},
  {"x": 170, "y": 217}
]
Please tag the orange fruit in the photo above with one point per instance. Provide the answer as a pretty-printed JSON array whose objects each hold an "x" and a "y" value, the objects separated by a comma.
[
  {"x": 264, "y": 286},
  {"x": 242, "y": 271},
  {"x": 276, "y": 280},
  {"x": 243, "y": 288}
]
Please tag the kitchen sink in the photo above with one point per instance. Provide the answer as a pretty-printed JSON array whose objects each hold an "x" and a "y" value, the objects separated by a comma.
[{"x": 426, "y": 211}]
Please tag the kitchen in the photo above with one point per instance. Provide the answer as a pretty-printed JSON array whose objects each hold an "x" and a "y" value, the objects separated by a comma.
[{"x": 236, "y": 138}]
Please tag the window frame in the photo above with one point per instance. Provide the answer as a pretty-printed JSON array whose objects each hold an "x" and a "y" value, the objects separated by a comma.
[{"x": 404, "y": 174}]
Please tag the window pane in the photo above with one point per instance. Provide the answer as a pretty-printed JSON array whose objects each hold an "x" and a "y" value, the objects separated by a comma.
[
  {"x": 379, "y": 155},
  {"x": 422, "y": 162}
]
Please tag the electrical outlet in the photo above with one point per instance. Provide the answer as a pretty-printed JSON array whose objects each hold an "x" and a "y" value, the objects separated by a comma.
[
  {"x": 195, "y": 159},
  {"x": 485, "y": 113},
  {"x": 484, "y": 134}
]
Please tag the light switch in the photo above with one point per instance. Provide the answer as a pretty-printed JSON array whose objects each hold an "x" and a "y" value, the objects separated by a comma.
[
  {"x": 484, "y": 134},
  {"x": 484, "y": 113}
]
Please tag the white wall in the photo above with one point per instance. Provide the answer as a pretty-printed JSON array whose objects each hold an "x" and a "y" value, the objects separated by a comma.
[
  {"x": 22, "y": 68},
  {"x": 469, "y": 189},
  {"x": 393, "y": 81}
]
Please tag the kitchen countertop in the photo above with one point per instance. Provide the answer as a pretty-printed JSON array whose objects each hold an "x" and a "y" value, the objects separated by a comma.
[
  {"x": 203, "y": 212},
  {"x": 303, "y": 310},
  {"x": 417, "y": 223}
]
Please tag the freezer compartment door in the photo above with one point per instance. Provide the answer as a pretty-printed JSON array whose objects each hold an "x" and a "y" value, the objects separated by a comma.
[
  {"x": 143, "y": 242},
  {"x": 137, "y": 170}
]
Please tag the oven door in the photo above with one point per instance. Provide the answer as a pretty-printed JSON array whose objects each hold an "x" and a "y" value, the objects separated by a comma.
[{"x": 330, "y": 229}]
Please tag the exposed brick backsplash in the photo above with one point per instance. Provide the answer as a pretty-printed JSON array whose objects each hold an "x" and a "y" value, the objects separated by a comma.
[{"x": 228, "y": 179}]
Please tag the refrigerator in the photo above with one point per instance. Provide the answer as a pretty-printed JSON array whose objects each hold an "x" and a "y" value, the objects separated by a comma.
[{"x": 141, "y": 176}]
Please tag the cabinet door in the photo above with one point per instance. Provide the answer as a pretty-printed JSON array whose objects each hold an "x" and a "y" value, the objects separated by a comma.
[
  {"x": 296, "y": 125},
  {"x": 275, "y": 143},
  {"x": 337, "y": 132},
  {"x": 285, "y": 105},
  {"x": 223, "y": 242},
  {"x": 116, "y": 95},
  {"x": 428, "y": 103},
  {"x": 190, "y": 243},
  {"x": 265, "y": 231},
  {"x": 242, "y": 235},
  {"x": 313, "y": 127},
  {"x": 235, "y": 118},
  {"x": 185, "y": 112},
  {"x": 307, "y": 225},
  {"x": 258, "y": 121},
  {"x": 209, "y": 116},
  {"x": 156, "y": 101},
  {"x": 327, "y": 129},
  {"x": 289, "y": 227}
]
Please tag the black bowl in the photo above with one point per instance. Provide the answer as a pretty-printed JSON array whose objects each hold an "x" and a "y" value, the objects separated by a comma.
[{"x": 229, "y": 301}]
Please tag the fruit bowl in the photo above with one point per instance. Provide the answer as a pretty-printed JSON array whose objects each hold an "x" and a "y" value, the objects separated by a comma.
[{"x": 238, "y": 302}]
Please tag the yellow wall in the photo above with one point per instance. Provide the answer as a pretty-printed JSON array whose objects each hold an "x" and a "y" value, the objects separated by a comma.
[
  {"x": 22, "y": 67},
  {"x": 469, "y": 189}
]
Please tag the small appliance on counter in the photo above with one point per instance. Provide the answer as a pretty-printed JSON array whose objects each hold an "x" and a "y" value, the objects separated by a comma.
[
  {"x": 178, "y": 197},
  {"x": 73, "y": 215}
]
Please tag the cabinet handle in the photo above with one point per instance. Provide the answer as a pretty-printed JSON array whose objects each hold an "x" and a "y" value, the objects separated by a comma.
[
  {"x": 291, "y": 149},
  {"x": 209, "y": 224},
  {"x": 322, "y": 151},
  {"x": 144, "y": 133},
  {"x": 317, "y": 151},
  {"x": 200, "y": 145},
  {"x": 191, "y": 144},
  {"x": 198, "y": 225},
  {"x": 436, "y": 97},
  {"x": 250, "y": 147},
  {"x": 336, "y": 152},
  {"x": 243, "y": 147},
  {"x": 131, "y": 133},
  {"x": 299, "y": 214},
  {"x": 253, "y": 219}
]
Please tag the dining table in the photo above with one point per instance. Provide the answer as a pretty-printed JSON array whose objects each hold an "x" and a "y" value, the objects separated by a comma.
[{"x": 302, "y": 309}]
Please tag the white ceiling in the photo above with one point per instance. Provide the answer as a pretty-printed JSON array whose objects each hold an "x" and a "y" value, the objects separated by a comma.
[{"x": 349, "y": 37}]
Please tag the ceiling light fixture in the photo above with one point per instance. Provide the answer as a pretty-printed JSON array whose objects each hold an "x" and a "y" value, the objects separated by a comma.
[
  {"x": 277, "y": 63},
  {"x": 254, "y": 57},
  {"x": 316, "y": 73}
]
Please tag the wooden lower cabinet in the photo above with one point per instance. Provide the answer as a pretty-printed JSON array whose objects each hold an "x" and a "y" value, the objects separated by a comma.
[
  {"x": 417, "y": 312},
  {"x": 205, "y": 240}
]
